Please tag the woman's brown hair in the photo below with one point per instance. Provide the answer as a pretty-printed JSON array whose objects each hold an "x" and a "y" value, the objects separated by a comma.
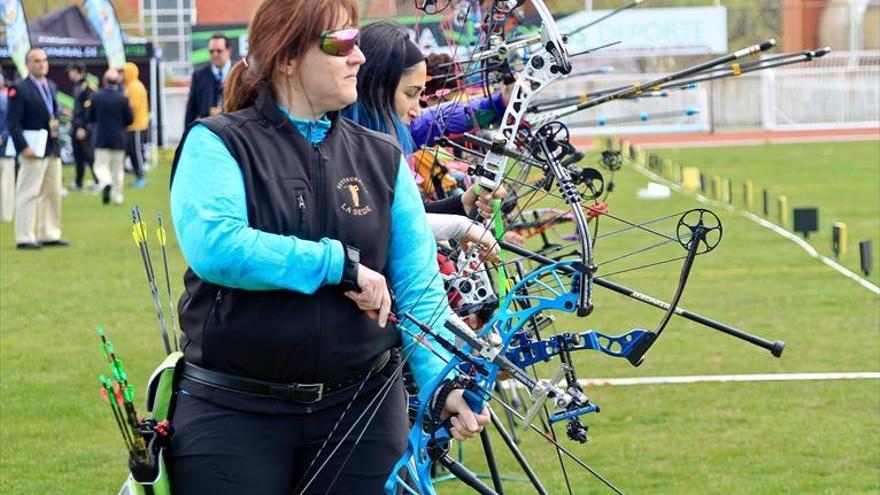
[{"x": 279, "y": 32}]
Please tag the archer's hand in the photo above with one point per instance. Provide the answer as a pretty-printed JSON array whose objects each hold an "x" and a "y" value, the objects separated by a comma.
[
  {"x": 485, "y": 241},
  {"x": 28, "y": 153},
  {"x": 374, "y": 297},
  {"x": 482, "y": 202},
  {"x": 465, "y": 422}
]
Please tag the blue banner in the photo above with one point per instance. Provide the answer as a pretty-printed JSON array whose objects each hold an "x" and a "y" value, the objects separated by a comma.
[
  {"x": 18, "y": 40},
  {"x": 102, "y": 17}
]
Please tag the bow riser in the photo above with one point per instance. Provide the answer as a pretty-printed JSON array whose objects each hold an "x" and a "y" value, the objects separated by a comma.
[
  {"x": 542, "y": 68},
  {"x": 535, "y": 351}
]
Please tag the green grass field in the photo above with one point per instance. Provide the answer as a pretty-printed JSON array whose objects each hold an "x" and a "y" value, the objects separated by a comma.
[{"x": 748, "y": 438}]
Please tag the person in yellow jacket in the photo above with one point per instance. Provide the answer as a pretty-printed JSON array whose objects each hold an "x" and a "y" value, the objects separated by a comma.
[{"x": 140, "y": 109}]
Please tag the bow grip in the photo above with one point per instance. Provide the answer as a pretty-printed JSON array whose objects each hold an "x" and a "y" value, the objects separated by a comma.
[{"x": 474, "y": 400}]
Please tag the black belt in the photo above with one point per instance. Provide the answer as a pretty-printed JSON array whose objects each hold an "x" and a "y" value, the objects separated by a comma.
[{"x": 305, "y": 393}]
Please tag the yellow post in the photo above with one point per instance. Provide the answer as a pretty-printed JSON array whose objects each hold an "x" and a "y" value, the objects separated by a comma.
[
  {"x": 782, "y": 205},
  {"x": 666, "y": 171},
  {"x": 748, "y": 194},
  {"x": 716, "y": 188},
  {"x": 838, "y": 239},
  {"x": 643, "y": 157},
  {"x": 725, "y": 190},
  {"x": 690, "y": 178}
]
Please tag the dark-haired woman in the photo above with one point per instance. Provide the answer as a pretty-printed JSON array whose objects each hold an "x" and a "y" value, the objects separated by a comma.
[
  {"x": 291, "y": 219},
  {"x": 390, "y": 85}
]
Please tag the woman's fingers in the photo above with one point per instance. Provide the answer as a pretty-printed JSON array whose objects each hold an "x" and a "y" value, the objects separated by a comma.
[
  {"x": 373, "y": 298},
  {"x": 384, "y": 309},
  {"x": 459, "y": 430}
]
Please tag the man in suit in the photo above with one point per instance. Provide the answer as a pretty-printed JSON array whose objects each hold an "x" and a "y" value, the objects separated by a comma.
[
  {"x": 206, "y": 90},
  {"x": 110, "y": 113},
  {"x": 32, "y": 107},
  {"x": 83, "y": 153}
]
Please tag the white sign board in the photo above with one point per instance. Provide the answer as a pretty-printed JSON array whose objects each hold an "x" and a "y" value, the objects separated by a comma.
[{"x": 669, "y": 31}]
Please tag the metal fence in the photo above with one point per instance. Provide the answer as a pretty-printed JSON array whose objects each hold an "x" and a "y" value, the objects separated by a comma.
[{"x": 839, "y": 90}]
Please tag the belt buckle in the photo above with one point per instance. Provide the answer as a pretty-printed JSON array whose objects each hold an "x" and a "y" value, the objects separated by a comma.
[{"x": 318, "y": 388}]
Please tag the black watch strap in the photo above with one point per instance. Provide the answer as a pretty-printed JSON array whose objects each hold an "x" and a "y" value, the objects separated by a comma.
[{"x": 350, "y": 269}]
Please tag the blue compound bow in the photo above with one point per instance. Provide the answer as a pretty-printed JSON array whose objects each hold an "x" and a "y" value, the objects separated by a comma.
[{"x": 533, "y": 165}]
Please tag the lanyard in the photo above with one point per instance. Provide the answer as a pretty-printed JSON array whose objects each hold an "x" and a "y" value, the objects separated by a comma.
[{"x": 47, "y": 96}]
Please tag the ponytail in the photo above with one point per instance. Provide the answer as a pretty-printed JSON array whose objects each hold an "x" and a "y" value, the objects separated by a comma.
[
  {"x": 241, "y": 87},
  {"x": 279, "y": 32}
]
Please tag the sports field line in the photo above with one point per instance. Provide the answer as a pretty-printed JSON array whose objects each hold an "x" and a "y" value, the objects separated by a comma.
[
  {"x": 686, "y": 379},
  {"x": 767, "y": 224},
  {"x": 767, "y": 377},
  {"x": 755, "y": 137},
  {"x": 706, "y": 143}
]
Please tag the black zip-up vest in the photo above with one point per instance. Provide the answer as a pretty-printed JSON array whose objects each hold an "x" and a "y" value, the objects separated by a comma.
[{"x": 342, "y": 188}]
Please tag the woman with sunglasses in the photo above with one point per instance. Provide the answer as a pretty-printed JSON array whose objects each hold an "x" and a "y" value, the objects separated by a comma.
[
  {"x": 290, "y": 218},
  {"x": 390, "y": 86}
]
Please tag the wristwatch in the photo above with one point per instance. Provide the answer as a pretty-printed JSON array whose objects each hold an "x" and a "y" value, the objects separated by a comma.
[{"x": 350, "y": 269}]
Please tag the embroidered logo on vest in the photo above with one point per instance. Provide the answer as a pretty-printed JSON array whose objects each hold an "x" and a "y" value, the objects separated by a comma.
[{"x": 356, "y": 196}]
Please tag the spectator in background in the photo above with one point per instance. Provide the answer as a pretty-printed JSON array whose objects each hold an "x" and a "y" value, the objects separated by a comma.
[
  {"x": 7, "y": 164},
  {"x": 440, "y": 86},
  {"x": 32, "y": 107},
  {"x": 83, "y": 153},
  {"x": 111, "y": 113},
  {"x": 206, "y": 89},
  {"x": 140, "y": 110}
]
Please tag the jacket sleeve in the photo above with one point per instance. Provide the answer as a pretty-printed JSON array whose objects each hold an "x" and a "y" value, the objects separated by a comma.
[
  {"x": 79, "y": 109},
  {"x": 192, "y": 104},
  {"x": 455, "y": 118},
  {"x": 56, "y": 109},
  {"x": 413, "y": 273},
  {"x": 209, "y": 208},
  {"x": 140, "y": 108},
  {"x": 90, "y": 112},
  {"x": 449, "y": 206},
  {"x": 4, "y": 129},
  {"x": 446, "y": 227},
  {"x": 128, "y": 114},
  {"x": 13, "y": 119}
]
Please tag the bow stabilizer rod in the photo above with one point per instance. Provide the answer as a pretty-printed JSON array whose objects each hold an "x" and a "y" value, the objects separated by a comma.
[
  {"x": 775, "y": 347},
  {"x": 658, "y": 84}
]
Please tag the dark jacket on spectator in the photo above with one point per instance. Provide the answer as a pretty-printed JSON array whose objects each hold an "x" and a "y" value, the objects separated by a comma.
[
  {"x": 4, "y": 129},
  {"x": 27, "y": 111},
  {"x": 111, "y": 114},
  {"x": 82, "y": 93},
  {"x": 202, "y": 94}
]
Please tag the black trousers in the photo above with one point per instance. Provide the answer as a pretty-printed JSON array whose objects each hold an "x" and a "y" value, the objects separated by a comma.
[
  {"x": 83, "y": 154},
  {"x": 134, "y": 150},
  {"x": 218, "y": 451}
]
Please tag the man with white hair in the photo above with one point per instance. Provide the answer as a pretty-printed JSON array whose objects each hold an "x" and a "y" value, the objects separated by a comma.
[
  {"x": 110, "y": 113},
  {"x": 32, "y": 112}
]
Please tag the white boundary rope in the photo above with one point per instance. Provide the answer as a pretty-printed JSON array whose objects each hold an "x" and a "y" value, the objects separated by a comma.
[
  {"x": 679, "y": 380},
  {"x": 764, "y": 223},
  {"x": 771, "y": 377}
]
